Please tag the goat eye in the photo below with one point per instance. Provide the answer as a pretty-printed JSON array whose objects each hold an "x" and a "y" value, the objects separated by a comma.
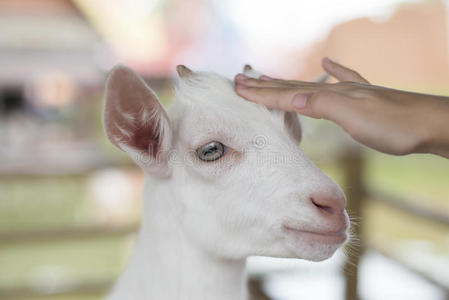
[{"x": 210, "y": 151}]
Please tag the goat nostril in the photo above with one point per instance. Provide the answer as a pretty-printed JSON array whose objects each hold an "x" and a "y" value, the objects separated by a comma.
[
  {"x": 322, "y": 206},
  {"x": 330, "y": 201}
]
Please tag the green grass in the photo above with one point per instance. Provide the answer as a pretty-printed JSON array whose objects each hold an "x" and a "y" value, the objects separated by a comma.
[
  {"x": 386, "y": 227},
  {"x": 421, "y": 178},
  {"x": 88, "y": 260},
  {"x": 39, "y": 203}
]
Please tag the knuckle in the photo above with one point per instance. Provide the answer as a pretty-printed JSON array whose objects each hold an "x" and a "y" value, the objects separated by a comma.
[
  {"x": 344, "y": 86},
  {"x": 251, "y": 80},
  {"x": 340, "y": 84},
  {"x": 317, "y": 99},
  {"x": 367, "y": 93}
]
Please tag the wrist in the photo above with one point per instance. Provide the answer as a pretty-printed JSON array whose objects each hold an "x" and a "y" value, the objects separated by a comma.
[{"x": 436, "y": 118}]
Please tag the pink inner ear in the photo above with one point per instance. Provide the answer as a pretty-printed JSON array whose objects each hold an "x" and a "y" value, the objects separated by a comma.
[
  {"x": 132, "y": 130},
  {"x": 146, "y": 138},
  {"x": 132, "y": 113}
]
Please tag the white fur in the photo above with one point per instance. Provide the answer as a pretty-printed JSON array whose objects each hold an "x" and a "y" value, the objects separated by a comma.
[{"x": 204, "y": 219}]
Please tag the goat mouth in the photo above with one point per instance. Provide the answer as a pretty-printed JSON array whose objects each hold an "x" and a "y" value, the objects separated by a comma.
[{"x": 322, "y": 237}]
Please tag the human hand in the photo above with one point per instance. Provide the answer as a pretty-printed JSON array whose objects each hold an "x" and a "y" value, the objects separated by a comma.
[{"x": 388, "y": 120}]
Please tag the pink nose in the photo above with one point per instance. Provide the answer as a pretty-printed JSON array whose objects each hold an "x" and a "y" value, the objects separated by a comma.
[{"x": 330, "y": 202}]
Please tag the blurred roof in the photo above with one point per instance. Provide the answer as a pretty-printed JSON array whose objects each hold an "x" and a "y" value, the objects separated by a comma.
[
  {"x": 86, "y": 37},
  {"x": 44, "y": 36},
  {"x": 43, "y": 24}
]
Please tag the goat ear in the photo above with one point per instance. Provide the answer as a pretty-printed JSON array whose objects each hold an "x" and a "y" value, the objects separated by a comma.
[
  {"x": 135, "y": 121},
  {"x": 293, "y": 126}
]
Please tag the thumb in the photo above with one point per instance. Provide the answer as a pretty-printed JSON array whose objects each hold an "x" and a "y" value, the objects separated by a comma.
[{"x": 340, "y": 72}]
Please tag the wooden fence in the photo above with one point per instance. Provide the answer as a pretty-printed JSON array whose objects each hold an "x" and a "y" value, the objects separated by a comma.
[{"x": 357, "y": 195}]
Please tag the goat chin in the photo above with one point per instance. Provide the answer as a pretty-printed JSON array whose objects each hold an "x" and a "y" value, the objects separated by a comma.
[{"x": 225, "y": 179}]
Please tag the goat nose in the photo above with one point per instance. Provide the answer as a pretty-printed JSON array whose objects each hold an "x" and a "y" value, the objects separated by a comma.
[{"x": 330, "y": 202}]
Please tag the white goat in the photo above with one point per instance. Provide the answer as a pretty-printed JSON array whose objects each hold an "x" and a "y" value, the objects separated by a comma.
[{"x": 225, "y": 180}]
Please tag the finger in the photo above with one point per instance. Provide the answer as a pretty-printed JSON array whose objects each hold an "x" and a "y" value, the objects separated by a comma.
[
  {"x": 298, "y": 83},
  {"x": 275, "y": 98},
  {"x": 326, "y": 104},
  {"x": 340, "y": 72},
  {"x": 265, "y": 77},
  {"x": 241, "y": 79},
  {"x": 257, "y": 82}
]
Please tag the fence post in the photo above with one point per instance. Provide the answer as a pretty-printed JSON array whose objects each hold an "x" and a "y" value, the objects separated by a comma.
[{"x": 353, "y": 172}]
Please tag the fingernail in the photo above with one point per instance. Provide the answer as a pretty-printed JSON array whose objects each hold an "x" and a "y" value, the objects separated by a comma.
[
  {"x": 265, "y": 77},
  {"x": 299, "y": 101},
  {"x": 327, "y": 59},
  {"x": 241, "y": 77}
]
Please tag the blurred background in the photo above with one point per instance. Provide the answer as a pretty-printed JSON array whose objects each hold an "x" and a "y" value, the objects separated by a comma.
[{"x": 70, "y": 202}]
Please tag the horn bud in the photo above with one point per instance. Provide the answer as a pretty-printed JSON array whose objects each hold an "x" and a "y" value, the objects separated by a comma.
[
  {"x": 183, "y": 71},
  {"x": 247, "y": 68}
]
